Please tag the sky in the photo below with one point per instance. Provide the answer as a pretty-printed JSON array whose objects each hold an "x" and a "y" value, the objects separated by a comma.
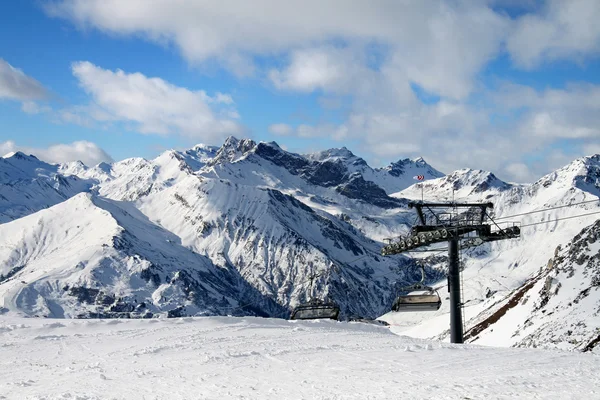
[{"x": 508, "y": 86}]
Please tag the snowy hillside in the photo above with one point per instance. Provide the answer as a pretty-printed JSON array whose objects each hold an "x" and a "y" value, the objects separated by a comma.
[
  {"x": 240, "y": 229},
  {"x": 28, "y": 185},
  {"x": 461, "y": 185},
  {"x": 92, "y": 257},
  {"x": 507, "y": 284},
  {"x": 254, "y": 358},
  {"x": 276, "y": 242},
  {"x": 558, "y": 307}
]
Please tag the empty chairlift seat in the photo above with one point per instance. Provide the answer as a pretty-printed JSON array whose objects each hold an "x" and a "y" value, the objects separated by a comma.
[
  {"x": 417, "y": 302},
  {"x": 429, "y": 301},
  {"x": 316, "y": 309}
]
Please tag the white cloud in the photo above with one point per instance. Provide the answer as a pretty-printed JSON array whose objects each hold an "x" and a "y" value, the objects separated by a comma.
[
  {"x": 281, "y": 129},
  {"x": 439, "y": 44},
  {"x": 87, "y": 152},
  {"x": 15, "y": 85},
  {"x": 327, "y": 68},
  {"x": 449, "y": 135},
  {"x": 31, "y": 107},
  {"x": 222, "y": 98},
  {"x": 453, "y": 45},
  {"x": 369, "y": 54},
  {"x": 569, "y": 113},
  {"x": 543, "y": 123},
  {"x": 520, "y": 172},
  {"x": 565, "y": 29},
  {"x": 152, "y": 104},
  {"x": 591, "y": 148},
  {"x": 311, "y": 131}
]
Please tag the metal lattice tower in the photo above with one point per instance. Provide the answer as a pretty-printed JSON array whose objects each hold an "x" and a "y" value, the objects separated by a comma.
[{"x": 470, "y": 228}]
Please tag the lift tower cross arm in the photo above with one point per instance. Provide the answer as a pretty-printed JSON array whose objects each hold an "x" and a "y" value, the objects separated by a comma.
[{"x": 451, "y": 231}]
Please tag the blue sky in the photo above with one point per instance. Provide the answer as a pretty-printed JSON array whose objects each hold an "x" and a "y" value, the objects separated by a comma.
[{"x": 512, "y": 87}]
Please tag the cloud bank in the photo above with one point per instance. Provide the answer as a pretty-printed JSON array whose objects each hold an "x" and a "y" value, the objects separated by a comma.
[
  {"x": 384, "y": 56},
  {"x": 87, "y": 152},
  {"x": 15, "y": 85},
  {"x": 153, "y": 105}
]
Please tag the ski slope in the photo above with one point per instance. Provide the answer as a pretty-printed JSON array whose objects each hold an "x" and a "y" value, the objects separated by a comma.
[{"x": 255, "y": 358}]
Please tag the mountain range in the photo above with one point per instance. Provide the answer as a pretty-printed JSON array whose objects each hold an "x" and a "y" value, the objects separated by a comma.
[{"x": 251, "y": 229}]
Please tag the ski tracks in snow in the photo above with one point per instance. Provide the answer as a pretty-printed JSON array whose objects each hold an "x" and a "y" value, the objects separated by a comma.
[{"x": 254, "y": 358}]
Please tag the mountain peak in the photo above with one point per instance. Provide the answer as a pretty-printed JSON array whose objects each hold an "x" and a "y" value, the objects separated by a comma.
[
  {"x": 205, "y": 147},
  {"x": 230, "y": 141},
  {"x": 416, "y": 166},
  {"x": 476, "y": 179},
  {"x": 104, "y": 166},
  {"x": 582, "y": 173},
  {"x": 19, "y": 155},
  {"x": 332, "y": 154},
  {"x": 232, "y": 149}
]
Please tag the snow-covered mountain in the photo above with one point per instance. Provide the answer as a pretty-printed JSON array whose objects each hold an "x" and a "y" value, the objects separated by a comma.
[
  {"x": 240, "y": 229},
  {"x": 559, "y": 306},
  {"x": 91, "y": 256},
  {"x": 461, "y": 185},
  {"x": 507, "y": 284},
  {"x": 28, "y": 185}
]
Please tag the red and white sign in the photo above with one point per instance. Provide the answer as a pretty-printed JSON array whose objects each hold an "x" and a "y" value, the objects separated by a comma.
[{"x": 419, "y": 177}]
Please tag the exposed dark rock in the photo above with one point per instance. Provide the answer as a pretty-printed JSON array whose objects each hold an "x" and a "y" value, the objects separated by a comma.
[
  {"x": 359, "y": 189},
  {"x": 11, "y": 273},
  {"x": 148, "y": 276},
  {"x": 83, "y": 294},
  {"x": 177, "y": 312},
  {"x": 294, "y": 163}
]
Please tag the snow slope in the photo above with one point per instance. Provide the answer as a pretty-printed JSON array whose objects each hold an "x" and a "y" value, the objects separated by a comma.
[
  {"x": 276, "y": 242},
  {"x": 253, "y": 358},
  {"x": 559, "y": 306},
  {"x": 93, "y": 257},
  {"x": 515, "y": 272},
  {"x": 28, "y": 185}
]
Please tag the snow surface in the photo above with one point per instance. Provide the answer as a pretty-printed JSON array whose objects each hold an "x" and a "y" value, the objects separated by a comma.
[{"x": 255, "y": 358}]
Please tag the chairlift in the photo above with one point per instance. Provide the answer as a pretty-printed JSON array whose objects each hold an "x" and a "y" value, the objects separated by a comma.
[
  {"x": 316, "y": 308},
  {"x": 429, "y": 301}
]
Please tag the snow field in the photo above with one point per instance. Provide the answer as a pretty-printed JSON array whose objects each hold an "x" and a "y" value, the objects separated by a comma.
[{"x": 254, "y": 358}]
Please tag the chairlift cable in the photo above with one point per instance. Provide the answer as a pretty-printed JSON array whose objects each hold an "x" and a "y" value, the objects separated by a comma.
[
  {"x": 561, "y": 219},
  {"x": 548, "y": 209},
  {"x": 497, "y": 226}
]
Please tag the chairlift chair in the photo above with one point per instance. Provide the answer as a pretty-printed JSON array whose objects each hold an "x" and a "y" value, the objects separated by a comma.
[
  {"x": 418, "y": 302},
  {"x": 316, "y": 308}
]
